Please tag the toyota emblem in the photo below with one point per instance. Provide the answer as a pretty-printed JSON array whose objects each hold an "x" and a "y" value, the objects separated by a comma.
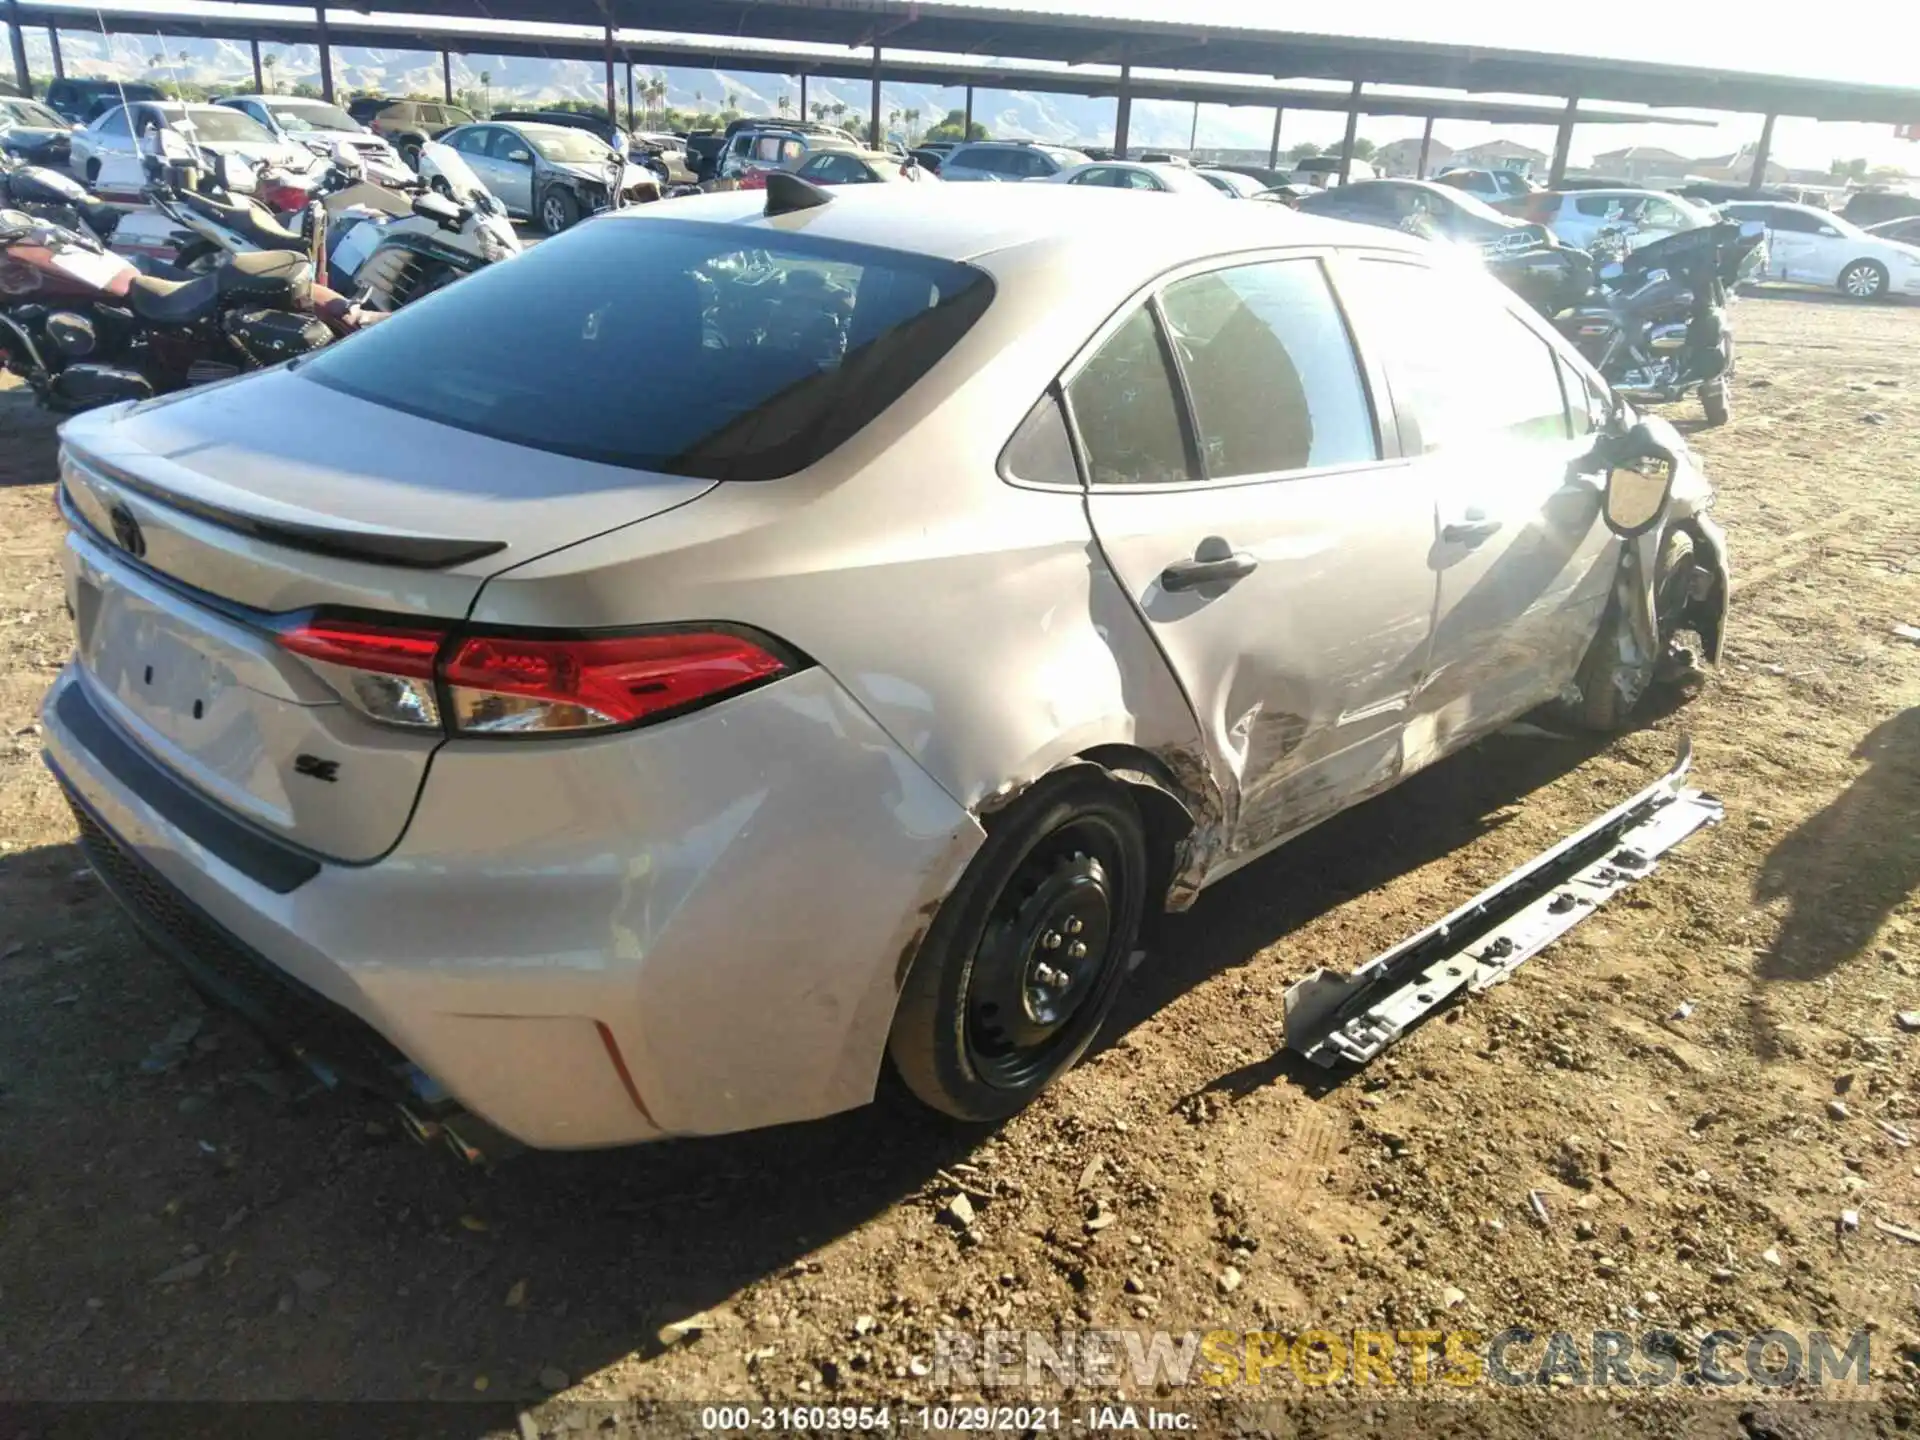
[{"x": 126, "y": 531}]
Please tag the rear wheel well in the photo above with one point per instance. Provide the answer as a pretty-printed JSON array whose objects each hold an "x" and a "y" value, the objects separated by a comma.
[{"x": 1165, "y": 810}]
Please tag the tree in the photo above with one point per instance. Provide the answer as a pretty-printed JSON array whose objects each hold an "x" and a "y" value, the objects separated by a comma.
[
  {"x": 158, "y": 59},
  {"x": 486, "y": 92},
  {"x": 1305, "y": 150},
  {"x": 185, "y": 57},
  {"x": 949, "y": 128},
  {"x": 783, "y": 104},
  {"x": 733, "y": 101},
  {"x": 1363, "y": 148},
  {"x": 1848, "y": 169},
  {"x": 271, "y": 64},
  {"x": 820, "y": 109},
  {"x": 913, "y": 121}
]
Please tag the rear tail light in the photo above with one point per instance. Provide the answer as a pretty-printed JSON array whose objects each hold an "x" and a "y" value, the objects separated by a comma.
[
  {"x": 277, "y": 196},
  {"x": 1540, "y": 208},
  {"x": 529, "y": 683}
]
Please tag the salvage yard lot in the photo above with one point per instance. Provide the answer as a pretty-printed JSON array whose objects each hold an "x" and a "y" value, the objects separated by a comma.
[{"x": 181, "y": 1217}]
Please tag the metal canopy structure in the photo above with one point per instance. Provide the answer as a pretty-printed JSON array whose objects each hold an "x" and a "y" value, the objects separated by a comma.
[
  {"x": 353, "y": 28},
  {"x": 951, "y": 27}
]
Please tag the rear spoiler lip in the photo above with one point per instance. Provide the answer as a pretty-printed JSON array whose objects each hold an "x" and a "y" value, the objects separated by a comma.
[{"x": 411, "y": 552}]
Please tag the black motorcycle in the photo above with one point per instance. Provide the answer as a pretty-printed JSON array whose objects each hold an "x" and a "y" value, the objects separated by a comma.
[
  {"x": 60, "y": 199},
  {"x": 1654, "y": 323}
]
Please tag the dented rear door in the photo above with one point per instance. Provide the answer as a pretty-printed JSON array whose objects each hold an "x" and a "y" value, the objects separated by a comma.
[{"x": 1239, "y": 488}]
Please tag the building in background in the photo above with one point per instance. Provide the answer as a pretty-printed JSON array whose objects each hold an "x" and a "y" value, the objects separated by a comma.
[
  {"x": 1499, "y": 154},
  {"x": 1402, "y": 158}
]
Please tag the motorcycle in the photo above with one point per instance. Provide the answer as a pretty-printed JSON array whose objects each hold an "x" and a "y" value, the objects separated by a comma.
[
  {"x": 394, "y": 247},
  {"x": 196, "y": 213},
  {"x": 1654, "y": 324},
  {"x": 84, "y": 327},
  {"x": 49, "y": 195}
]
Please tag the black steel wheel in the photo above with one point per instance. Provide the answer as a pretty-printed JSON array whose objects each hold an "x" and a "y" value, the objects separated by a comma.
[{"x": 1026, "y": 956}]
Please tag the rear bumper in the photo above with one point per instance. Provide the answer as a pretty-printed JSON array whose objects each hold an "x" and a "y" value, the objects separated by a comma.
[{"x": 696, "y": 928}]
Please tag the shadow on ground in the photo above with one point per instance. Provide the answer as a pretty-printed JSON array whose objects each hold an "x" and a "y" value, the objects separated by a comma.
[{"x": 1844, "y": 869}]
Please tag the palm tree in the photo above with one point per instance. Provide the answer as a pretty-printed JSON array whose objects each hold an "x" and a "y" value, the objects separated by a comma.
[
  {"x": 783, "y": 104},
  {"x": 486, "y": 91},
  {"x": 913, "y": 121},
  {"x": 159, "y": 58},
  {"x": 185, "y": 57},
  {"x": 271, "y": 64},
  {"x": 820, "y": 109},
  {"x": 733, "y": 101}
]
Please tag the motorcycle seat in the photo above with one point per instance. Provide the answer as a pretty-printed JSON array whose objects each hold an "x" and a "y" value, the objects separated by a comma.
[
  {"x": 248, "y": 221},
  {"x": 267, "y": 277},
  {"x": 32, "y": 185}
]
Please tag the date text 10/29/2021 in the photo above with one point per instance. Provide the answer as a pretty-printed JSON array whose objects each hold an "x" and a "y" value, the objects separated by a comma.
[{"x": 942, "y": 1419}]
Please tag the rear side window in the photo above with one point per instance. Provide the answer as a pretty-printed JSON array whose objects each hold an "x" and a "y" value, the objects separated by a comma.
[
  {"x": 667, "y": 345},
  {"x": 1040, "y": 451},
  {"x": 1597, "y": 206},
  {"x": 1274, "y": 382},
  {"x": 1464, "y": 368},
  {"x": 1123, "y": 407}
]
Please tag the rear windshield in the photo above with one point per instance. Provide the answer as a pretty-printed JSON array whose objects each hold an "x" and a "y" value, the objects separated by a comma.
[{"x": 668, "y": 345}]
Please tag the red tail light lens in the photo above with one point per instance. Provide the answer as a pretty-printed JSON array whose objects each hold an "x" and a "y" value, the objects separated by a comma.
[
  {"x": 282, "y": 197},
  {"x": 521, "y": 684},
  {"x": 515, "y": 684}
]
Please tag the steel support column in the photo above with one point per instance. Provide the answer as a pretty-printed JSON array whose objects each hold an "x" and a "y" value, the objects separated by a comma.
[
  {"x": 1122, "y": 113},
  {"x": 1426, "y": 149},
  {"x": 446, "y": 75},
  {"x": 803, "y": 94},
  {"x": 1273, "y": 150},
  {"x": 873, "y": 119},
  {"x": 630, "y": 124},
  {"x": 19, "y": 37},
  {"x": 613, "y": 95},
  {"x": 53, "y": 44},
  {"x": 1758, "y": 175},
  {"x": 1353, "y": 133},
  {"x": 1563, "y": 145},
  {"x": 966, "y": 117},
  {"x": 1193, "y": 132},
  {"x": 326, "y": 52}
]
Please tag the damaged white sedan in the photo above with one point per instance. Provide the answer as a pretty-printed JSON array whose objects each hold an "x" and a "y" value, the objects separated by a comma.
[{"x": 651, "y": 687}]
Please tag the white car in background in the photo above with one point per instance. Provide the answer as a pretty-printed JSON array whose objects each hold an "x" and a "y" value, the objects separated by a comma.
[
  {"x": 1137, "y": 175},
  {"x": 1491, "y": 186},
  {"x": 1806, "y": 246},
  {"x": 320, "y": 126},
  {"x": 1577, "y": 217},
  {"x": 214, "y": 130}
]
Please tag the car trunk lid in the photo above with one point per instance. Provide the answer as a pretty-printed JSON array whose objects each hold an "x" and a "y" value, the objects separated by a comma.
[{"x": 203, "y": 525}]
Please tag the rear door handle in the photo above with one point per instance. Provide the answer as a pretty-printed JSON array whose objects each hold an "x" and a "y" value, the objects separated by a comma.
[{"x": 1223, "y": 570}]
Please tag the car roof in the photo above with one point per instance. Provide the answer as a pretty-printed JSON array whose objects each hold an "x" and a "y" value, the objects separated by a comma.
[{"x": 967, "y": 222}]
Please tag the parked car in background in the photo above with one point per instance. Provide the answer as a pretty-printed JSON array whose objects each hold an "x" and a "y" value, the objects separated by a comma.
[
  {"x": 1233, "y": 183},
  {"x": 553, "y": 744},
  {"x": 35, "y": 134},
  {"x": 1322, "y": 171},
  {"x": 754, "y": 152},
  {"x": 1008, "y": 160},
  {"x": 319, "y": 125},
  {"x": 1490, "y": 185},
  {"x": 1719, "y": 192},
  {"x": 80, "y": 101},
  {"x": 1807, "y": 246},
  {"x": 1289, "y": 194},
  {"x": 1578, "y": 217},
  {"x": 1523, "y": 255},
  {"x": 1906, "y": 231},
  {"x": 1155, "y": 178},
  {"x": 668, "y": 150},
  {"x": 938, "y": 147},
  {"x": 551, "y": 174},
  {"x": 861, "y": 167},
  {"x": 1870, "y": 207},
  {"x": 214, "y": 130},
  {"x": 1430, "y": 210},
  {"x": 407, "y": 123},
  {"x": 928, "y": 158}
]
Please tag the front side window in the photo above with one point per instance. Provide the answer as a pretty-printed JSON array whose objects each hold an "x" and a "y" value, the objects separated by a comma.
[
  {"x": 1124, "y": 408},
  {"x": 1464, "y": 368},
  {"x": 665, "y": 345},
  {"x": 114, "y": 122},
  {"x": 1272, "y": 374}
]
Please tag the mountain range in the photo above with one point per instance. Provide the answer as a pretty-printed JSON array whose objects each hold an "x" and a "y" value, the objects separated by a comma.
[{"x": 522, "y": 81}]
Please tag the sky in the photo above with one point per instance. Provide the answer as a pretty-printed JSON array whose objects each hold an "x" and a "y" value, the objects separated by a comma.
[{"x": 1879, "y": 43}]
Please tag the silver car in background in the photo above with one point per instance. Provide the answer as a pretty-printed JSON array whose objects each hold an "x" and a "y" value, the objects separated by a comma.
[{"x": 648, "y": 688}]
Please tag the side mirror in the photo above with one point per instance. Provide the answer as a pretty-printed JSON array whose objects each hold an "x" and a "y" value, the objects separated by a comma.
[
  {"x": 1639, "y": 479},
  {"x": 519, "y": 157},
  {"x": 1828, "y": 231}
]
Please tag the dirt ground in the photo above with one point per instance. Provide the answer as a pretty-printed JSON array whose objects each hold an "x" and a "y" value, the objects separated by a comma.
[{"x": 193, "y": 1221}]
